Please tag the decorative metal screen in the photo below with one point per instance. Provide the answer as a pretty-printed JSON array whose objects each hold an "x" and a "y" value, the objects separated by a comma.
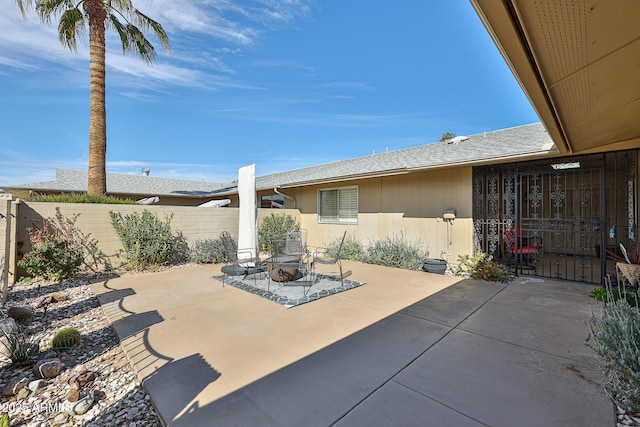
[{"x": 557, "y": 218}]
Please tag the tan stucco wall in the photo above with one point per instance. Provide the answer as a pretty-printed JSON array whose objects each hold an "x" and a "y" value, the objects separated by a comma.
[
  {"x": 411, "y": 204},
  {"x": 193, "y": 222}
]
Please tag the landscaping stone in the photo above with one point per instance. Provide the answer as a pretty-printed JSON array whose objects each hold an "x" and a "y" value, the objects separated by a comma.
[
  {"x": 15, "y": 386},
  {"x": 100, "y": 354},
  {"x": 35, "y": 385},
  {"x": 20, "y": 314},
  {"x": 47, "y": 368}
]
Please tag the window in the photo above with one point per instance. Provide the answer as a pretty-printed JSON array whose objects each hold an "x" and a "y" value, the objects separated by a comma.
[
  {"x": 275, "y": 201},
  {"x": 338, "y": 205}
]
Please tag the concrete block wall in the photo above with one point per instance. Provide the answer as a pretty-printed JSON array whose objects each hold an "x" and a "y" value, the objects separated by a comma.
[{"x": 193, "y": 222}]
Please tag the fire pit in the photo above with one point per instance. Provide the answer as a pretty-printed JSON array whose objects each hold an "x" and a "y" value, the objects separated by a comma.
[{"x": 284, "y": 268}]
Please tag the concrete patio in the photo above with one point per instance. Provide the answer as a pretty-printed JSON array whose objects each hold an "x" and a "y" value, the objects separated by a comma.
[{"x": 406, "y": 348}]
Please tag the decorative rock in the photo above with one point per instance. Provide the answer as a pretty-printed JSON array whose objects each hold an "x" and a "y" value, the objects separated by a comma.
[
  {"x": 15, "y": 386},
  {"x": 83, "y": 405},
  {"x": 23, "y": 393},
  {"x": 60, "y": 296},
  {"x": 73, "y": 395},
  {"x": 35, "y": 385},
  {"x": 47, "y": 368},
  {"x": 44, "y": 301},
  {"x": 59, "y": 419},
  {"x": 7, "y": 327},
  {"x": 79, "y": 381},
  {"x": 20, "y": 314}
]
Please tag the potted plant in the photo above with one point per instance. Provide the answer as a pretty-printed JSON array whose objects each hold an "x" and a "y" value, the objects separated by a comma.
[{"x": 628, "y": 264}]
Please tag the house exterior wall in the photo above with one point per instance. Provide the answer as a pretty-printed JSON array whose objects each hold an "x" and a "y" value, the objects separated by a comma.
[{"x": 409, "y": 204}]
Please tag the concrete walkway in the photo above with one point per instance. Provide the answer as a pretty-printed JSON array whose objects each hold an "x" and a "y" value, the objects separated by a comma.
[{"x": 407, "y": 348}]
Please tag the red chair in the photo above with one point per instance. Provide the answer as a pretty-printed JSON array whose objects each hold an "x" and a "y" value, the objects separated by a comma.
[{"x": 522, "y": 249}]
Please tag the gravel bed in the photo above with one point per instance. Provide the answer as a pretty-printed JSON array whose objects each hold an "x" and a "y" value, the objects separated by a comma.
[{"x": 112, "y": 397}]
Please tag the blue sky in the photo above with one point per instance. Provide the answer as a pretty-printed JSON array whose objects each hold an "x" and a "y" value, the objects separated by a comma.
[{"x": 280, "y": 83}]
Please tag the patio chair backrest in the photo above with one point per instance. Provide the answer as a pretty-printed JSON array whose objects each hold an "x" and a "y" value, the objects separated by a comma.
[
  {"x": 340, "y": 247},
  {"x": 229, "y": 246}
]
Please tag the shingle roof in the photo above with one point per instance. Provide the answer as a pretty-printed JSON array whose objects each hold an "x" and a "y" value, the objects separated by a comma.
[
  {"x": 522, "y": 141},
  {"x": 76, "y": 181}
]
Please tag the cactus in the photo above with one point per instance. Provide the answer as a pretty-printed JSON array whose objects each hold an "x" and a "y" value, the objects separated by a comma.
[
  {"x": 5, "y": 420},
  {"x": 67, "y": 337}
]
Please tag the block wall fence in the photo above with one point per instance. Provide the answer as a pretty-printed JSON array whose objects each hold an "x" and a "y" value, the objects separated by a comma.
[{"x": 193, "y": 222}]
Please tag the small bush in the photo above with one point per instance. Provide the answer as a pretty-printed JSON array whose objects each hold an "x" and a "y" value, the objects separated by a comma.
[
  {"x": 61, "y": 228},
  {"x": 615, "y": 336},
  {"x": 54, "y": 261},
  {"x": 208, "y": 251},
  {"x": 146, "y": 239},
  {"x": 395, "y": 252},
  {"x": 67, "y": 337},
  {"x": 481, "y": 267},
  {"x": 615, "y": 294},
  {"x": 20, "y": 347},
  {"x": 274, "y": 227},
  {"x": 352, "y": 249},
  {"x": 80, "y": 198}
]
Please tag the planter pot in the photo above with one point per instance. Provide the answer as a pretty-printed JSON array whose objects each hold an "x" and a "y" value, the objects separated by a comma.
[{"x": 436, "y": 266}]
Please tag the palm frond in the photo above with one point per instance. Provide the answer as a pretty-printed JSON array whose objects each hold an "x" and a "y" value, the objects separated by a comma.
[
  {"x": 71, "y": 27},
  {"x": 23, "y": 6},
  {"x": 149, "y": 24},
  {"x": 49, "y": 9},
  {"x": 113, "y": 23},
  {"x": 140, "y": 45}
]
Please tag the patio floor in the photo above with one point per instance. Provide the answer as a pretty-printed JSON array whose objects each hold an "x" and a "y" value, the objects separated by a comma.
[{"x": 406, "y": 348}]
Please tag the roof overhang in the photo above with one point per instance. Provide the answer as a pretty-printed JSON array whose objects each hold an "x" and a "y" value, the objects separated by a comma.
[{"x": 577, "y": 62}]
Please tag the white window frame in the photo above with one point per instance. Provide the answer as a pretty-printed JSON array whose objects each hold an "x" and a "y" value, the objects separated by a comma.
[{"x": 338, "y": 220}]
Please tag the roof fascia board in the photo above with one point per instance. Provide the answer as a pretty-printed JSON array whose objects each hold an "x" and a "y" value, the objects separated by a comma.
[{"x": 505, "y": 28}]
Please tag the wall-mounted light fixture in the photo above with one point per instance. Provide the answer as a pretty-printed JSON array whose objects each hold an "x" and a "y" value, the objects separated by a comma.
[{"x": 571, "y": 165}]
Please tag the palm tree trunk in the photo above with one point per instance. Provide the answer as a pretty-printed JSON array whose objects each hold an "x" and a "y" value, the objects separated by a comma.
[{"x": 97, "y": 174}]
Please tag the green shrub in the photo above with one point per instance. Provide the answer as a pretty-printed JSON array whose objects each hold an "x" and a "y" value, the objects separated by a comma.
[
  {"x": 352, "y": 249},
  {"x": 53, "y": 260},
  {"x": 63, "y": 229},
  {"x": 615, "y": 294},
  {"x": 207, "y": 251},
  {"x": 20, "y": 346},
  {"x": 146, "y": 239},
  {"x": 615, "y": 336},
  {"x": 5, "y": 420},
  {"x": 274, "y": 227},
  {"x": 67, "y": 337},
  {"x": 80, "y": 198},
  {"x": 395, "y": 252},
  {"x": 481, "y": 267}
]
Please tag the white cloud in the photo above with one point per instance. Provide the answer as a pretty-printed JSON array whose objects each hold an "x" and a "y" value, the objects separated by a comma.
[{"x": 30, "y": 45}]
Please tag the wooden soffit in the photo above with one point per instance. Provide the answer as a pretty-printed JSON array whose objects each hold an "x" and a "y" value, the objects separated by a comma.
[{"x": 579, "y": 64}]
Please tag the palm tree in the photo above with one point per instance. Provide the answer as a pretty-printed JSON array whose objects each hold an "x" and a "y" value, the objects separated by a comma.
[{"x": 128, "y": 22}]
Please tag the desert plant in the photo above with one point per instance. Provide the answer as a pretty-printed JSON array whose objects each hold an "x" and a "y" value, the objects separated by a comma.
[
  {"x": 67, "y": 337},
  {"x": 395, "y": 251},
  {"x": 480, "y": 266},
  {"x": 274, "y": 227},
  {"x": 352, "y": 248},
  {"x": 60, "y": 228},
  {"x": 634, "y": 256},
  {"x": 20, "y": 346},
  {"x": 207, "y": 251},
  {"x": 5, "y": 420},
  {"x": 615, "y": 335},
  {"x": 146, "y": 239},
  {"x": 54, "y": 260}
]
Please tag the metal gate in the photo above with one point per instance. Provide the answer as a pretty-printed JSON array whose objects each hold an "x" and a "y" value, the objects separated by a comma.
[{"x": 556, "y": 218}]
